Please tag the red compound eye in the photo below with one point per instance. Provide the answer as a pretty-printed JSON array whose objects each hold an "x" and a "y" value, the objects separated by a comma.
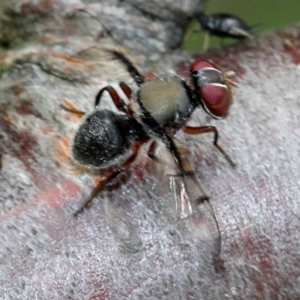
[
  {"x": 201, "y": 64},
  {"x": 211, "y": 88},
  {"x": 216, "y": 99}
]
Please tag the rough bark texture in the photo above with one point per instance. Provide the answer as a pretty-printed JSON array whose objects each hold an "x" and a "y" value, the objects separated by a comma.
[{"x": 121, "y": 248}]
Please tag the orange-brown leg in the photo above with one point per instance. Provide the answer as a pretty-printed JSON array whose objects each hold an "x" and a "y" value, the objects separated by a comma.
[
  {"x": 207, "y": 129},
  {"x": 126, "y": 89},
  {"x": 118, "y": 101},
  {"x": 128, "y": 92},
  {"x": 101, "y": 185}
]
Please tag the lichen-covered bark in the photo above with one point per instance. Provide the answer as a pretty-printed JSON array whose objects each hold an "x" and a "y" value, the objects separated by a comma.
[{"x": 53, "y": 53}]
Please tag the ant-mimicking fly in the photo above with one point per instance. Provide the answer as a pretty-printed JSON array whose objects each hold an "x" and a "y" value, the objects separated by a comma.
[{"x": 160, "y": 108}]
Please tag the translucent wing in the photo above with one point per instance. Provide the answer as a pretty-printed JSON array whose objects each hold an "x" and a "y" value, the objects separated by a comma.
[{"x": 196, "y": 221}]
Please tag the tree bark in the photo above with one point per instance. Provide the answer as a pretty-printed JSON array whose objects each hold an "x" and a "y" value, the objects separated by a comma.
[{"x": 54, "y": 53}]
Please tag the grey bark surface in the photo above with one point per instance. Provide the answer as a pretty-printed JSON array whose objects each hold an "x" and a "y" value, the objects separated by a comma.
[{"x": 53, "y": 53}]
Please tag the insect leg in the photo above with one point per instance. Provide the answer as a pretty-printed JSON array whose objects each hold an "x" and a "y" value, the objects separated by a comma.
[
  {"x": 126, "y": 89},
  {"x": 187, "y": 177},
  {"x": 170, "y": 144},
  {"x": 96, "y": 190},
  {"x": 206, "y": 41},
  {"x": 118, "y": 101},
  {"x": 133, "y": 71},
  {"x": 192, "y": 204},
  {"x": 207, "y": 129},
  {"x": 186, "y": 165},
  {"x": 101, "y": 185},
  {"x": 151, "y": 152}
]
